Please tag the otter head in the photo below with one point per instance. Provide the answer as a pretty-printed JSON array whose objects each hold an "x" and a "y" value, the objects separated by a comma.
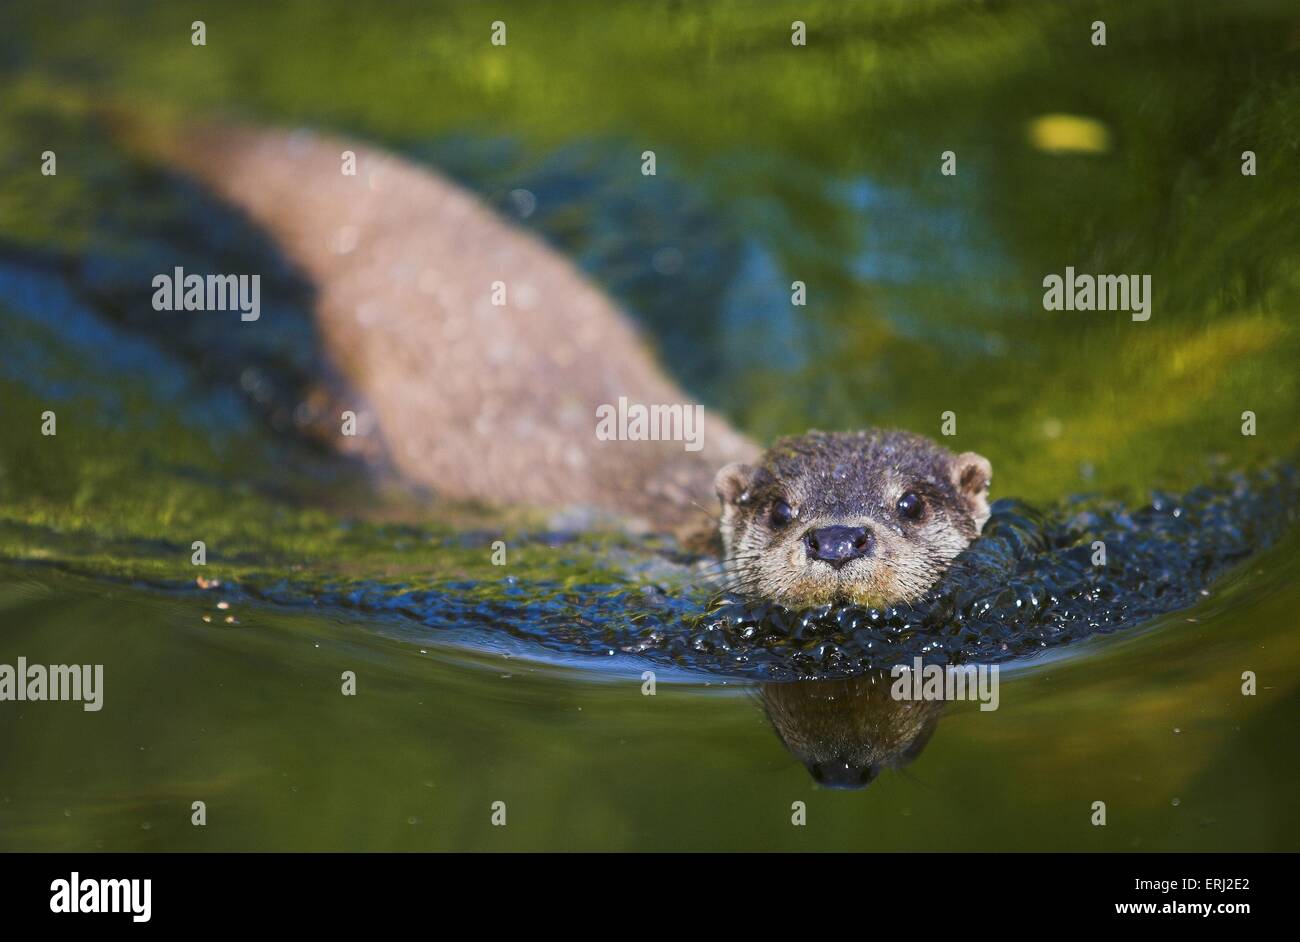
[{"x": 871, "y": 518}]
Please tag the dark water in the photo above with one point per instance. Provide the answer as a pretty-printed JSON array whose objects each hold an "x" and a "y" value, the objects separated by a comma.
[{"x": 1121, "y": 682}]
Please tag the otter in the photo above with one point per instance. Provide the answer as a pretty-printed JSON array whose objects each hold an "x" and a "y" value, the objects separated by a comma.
[{"x": 498, "y": 403}]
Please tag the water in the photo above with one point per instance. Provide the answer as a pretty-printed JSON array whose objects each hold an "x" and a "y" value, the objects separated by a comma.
[{"x": 474, "y": 686}]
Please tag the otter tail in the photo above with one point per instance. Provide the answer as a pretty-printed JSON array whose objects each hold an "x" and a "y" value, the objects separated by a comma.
[{"x": 485, "y": 356}]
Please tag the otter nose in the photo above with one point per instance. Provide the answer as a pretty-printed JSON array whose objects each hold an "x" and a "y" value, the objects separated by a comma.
[{"x": 838, "y": 545}]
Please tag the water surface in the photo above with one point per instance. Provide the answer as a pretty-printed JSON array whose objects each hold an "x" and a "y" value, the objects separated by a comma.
[{"x": 479, "y": 684}]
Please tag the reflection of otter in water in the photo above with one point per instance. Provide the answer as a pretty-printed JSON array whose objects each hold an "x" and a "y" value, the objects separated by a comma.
[{"x": 846, "y": 731}]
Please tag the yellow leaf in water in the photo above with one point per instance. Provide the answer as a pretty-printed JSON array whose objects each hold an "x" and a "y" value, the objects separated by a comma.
[{"x": 1068, "y": 134}]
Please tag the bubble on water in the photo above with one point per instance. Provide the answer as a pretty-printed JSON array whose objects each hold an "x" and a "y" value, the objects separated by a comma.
[{"x": 523, "y": 202}]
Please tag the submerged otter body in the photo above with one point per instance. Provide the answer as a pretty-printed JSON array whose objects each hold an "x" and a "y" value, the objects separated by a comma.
[
  {"x": 485, "y": 359},
  {"x": 483, "y": 401}
]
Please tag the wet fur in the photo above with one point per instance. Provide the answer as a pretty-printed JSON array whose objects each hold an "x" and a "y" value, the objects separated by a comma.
[{"x": 850, "y": 479}]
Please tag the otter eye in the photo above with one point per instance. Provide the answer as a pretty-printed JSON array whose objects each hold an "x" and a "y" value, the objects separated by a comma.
[
  {"x": 781, "y": 514},
  {"x": 910, "y": 506}
]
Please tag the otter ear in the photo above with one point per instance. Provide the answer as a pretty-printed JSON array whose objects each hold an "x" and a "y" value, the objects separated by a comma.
[
  {"x": 732, "y": 481},
  {"x": 972, "y": 474}
]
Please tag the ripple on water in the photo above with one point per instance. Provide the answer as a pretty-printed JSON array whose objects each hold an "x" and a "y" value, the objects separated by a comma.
[{"x": 1028, "y": 584}]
